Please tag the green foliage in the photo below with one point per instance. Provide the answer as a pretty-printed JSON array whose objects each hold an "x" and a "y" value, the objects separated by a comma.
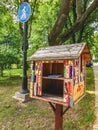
[
  {"x": 43, "y": 20},
  {"x": 2, "y": 63},
  {"x": 10, "y": 40}
]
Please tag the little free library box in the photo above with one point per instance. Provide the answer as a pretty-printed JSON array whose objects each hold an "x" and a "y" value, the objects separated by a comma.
[{"x": 59, "y": 73}]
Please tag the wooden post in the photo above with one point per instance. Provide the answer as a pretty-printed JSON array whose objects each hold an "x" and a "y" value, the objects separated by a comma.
[
  {"x": 58, "y": 111},
  {"x": 58, "y": 117}
]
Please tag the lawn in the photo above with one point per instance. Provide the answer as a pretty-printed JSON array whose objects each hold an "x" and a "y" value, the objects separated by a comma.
[{"x": 37, "y": 115}]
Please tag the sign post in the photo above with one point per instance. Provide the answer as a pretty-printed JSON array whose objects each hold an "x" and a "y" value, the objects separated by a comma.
[
  {"x": 24, "y": 47},
  {"x": 23, "y": 15}
]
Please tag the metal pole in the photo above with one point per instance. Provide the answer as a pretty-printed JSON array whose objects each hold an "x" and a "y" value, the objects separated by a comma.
[{"x": 24, "y": 47}]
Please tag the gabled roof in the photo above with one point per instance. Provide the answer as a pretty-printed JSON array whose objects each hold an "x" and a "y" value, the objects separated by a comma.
[{"x": 71, "y": 51}]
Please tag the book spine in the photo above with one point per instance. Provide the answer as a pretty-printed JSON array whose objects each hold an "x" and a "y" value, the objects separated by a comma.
[
  {"x": 32, "y": 79},
  {"x": 38, "y": 76},
  {"x": 71, "y": 70},
  {"x": 70, "y": 103},
  {"x": 31, "y": 89}
]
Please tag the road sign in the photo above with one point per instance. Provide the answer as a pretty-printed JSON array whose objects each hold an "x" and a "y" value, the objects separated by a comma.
[{"x": 24, "y": 12}]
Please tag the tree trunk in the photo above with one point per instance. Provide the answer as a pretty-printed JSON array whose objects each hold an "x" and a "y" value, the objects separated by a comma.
[
  {"x": 78, "y": 8},
  {"x": 60, "y": 22},
  {"x": 56, "y": 36},
  {"x": 1, "y": 72},
  {"x": 80, "y": 35},
  {"x": 78, "y": 24}
]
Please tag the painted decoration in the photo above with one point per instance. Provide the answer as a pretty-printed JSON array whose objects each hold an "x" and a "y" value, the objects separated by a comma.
[
  {"x": 36, "y": 76},
  {"x": 68, "y": 83},
  {"x": 68, "y": 69},
  {"x": 79, "y": 90}
]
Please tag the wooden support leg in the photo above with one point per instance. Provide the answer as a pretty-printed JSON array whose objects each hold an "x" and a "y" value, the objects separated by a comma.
[
  {"x": 58, "y": 117},
  {"x": 58, "y": 110}
]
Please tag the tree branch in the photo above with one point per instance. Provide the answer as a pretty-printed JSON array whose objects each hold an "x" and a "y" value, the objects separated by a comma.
[
  {"x": 78, "y": 8},
  {"x": 83, "y": 26},
  {"x": 80, "y": 35},
  {"x": 60, "y": 22},
  {"x": 84, "y": 5},
  {"x": 78, "y": 24},
  {"x": 74, "y": 18},
  {"x": 74, "y": 10}
]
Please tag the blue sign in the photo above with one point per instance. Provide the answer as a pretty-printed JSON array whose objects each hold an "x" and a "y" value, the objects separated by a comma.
[{"x": 24, "y": 12}]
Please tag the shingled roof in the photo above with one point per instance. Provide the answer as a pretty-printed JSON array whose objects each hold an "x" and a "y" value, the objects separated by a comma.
[{"x": 71, "y": 51}]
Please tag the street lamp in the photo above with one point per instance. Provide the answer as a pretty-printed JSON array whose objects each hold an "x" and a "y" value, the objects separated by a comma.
[
  {"x": 23, "y": 15},
  {"x": 24, "y": 89}
]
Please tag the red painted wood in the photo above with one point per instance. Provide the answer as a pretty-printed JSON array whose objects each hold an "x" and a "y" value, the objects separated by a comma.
[{"x": 58, "y": 117}]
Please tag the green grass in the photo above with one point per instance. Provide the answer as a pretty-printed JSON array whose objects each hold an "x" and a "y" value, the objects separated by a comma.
[{"x": 37, "y": 115}]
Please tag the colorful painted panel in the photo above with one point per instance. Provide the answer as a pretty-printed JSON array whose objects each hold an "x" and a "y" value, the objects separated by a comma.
[
  {"x": 68, "y": 68},
  {"x": 78, "y": 91},
  {"x": 78, "y": 79},
  {"x": 68, "y": 82},
  {"x": 68, "y": 85},
  {"x": 36, "y": 83},
  {"x": 32, "y": 79}
]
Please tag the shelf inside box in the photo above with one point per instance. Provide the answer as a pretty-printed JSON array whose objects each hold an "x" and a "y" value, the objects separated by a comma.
[
  {"x": 56, "y": 78},
  {"x": 53, "y": 92},
  {"x": 52, "y": 87},
  {"x": 52, "y": 99}
]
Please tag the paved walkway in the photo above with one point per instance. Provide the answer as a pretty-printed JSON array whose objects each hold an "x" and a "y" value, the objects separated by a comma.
[{"x": 95, "y": 126}]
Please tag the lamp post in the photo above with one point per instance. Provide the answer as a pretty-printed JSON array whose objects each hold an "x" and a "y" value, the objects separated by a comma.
[
  {"x": 24, "y": 89},
  {"x": 23, "y": 15}
]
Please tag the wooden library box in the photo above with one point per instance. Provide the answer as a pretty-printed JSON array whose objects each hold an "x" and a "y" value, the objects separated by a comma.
[{"x": 58, "y": 73}]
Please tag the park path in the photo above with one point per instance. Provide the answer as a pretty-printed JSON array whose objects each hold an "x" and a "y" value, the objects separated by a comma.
[{"x": 95, "y": 67}]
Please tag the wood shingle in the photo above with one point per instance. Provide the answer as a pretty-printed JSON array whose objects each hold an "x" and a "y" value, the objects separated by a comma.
[{"x": 71, "y": 51}]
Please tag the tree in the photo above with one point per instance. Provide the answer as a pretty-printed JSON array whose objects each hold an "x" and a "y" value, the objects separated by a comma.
[
  {"x": 63, "y": 21},
  {"x": 10, "y": 40},
  {"x": 94, "y": 49},
  {"x": 81, "y": 12},
  {"x": 2, "y": 64}
]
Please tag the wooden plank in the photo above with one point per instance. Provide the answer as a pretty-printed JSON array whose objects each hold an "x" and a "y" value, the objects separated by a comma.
[
  {"x": 45, "y": 98},
  {"x": 53, "y": 78}
]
